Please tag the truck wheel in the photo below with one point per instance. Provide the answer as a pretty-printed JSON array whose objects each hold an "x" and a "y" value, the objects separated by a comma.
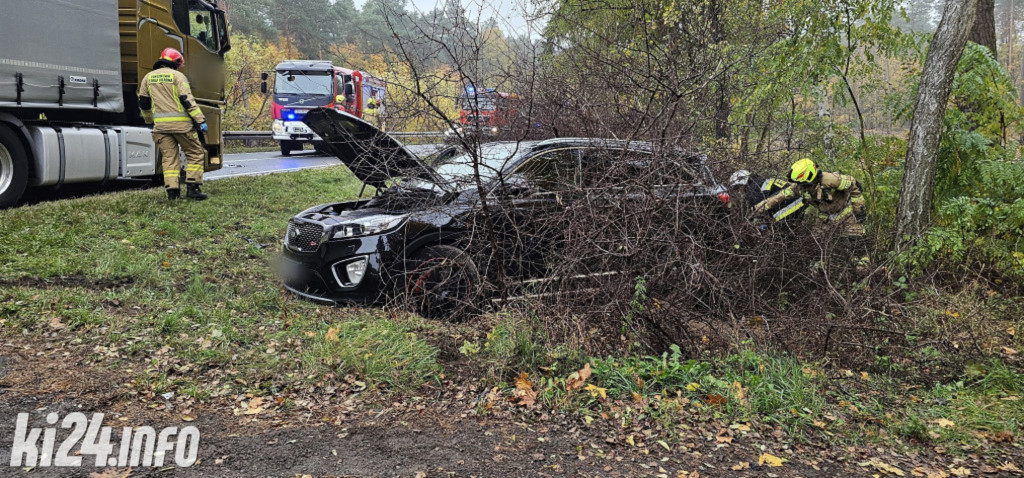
[
  {"x": 13, "y": 168},
  {"x": 286, "y": 148},
  {"x": 441, "y": 282}
]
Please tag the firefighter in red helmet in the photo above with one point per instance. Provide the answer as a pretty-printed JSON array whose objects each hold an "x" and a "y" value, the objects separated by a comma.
[{"x": 166, "y": 101}]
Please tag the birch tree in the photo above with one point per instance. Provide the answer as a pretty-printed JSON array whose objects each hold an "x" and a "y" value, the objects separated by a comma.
[{"x": 913, "y": 214}]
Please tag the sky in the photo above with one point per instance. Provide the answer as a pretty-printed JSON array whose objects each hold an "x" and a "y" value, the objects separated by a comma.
[{"x": 511, "y": 14}]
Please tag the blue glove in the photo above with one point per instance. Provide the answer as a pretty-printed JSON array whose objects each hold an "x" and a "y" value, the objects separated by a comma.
[{"x": 203, "y": 127}]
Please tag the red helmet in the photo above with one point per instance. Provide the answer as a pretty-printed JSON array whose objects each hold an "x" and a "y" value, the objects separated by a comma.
[{"x": 173, "y": 56}]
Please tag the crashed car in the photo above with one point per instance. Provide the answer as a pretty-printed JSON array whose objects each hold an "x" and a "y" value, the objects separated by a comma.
[{"x": 420, "y": 236}]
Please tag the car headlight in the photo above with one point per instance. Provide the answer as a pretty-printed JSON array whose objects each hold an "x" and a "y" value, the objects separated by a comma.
[
  {"x": 367, "y": 226},
  {"x": 277, "y": 127},
  {"x": 356, "y": 270},
  {"x": 494, "y": 130}
]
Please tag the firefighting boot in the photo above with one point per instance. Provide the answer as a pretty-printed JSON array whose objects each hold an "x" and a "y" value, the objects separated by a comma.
[
  {"x": 173, "y": 193},
  {"x": 195, "y": 193}
]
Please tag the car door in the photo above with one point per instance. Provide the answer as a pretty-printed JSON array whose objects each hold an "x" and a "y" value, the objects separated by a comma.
[{"x": 529, "y": 206}]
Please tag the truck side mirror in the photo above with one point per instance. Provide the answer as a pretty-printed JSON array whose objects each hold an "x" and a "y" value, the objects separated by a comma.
[
  {"x": 264, "y": 76},
  {"x": 263, "y": 87}
]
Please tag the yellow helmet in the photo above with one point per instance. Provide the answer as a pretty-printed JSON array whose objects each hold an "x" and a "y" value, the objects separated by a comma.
[{"x": 803, "y": 171}]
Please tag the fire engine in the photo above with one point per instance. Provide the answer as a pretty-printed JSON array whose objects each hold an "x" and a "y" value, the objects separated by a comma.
[
  {"x": 301, "y": 85},
  {"x": 484, "y": 112}
]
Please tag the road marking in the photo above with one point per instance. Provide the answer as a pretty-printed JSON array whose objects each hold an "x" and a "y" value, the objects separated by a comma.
[{"x": 261, "y": 173}]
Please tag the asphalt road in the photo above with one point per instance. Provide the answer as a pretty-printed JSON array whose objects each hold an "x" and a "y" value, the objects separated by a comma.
[
  {"x": 254, "y": 164},
  {"x": 235, "y": 165}
]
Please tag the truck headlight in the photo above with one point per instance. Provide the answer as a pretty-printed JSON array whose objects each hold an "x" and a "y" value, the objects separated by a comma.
[
  {"x": 367, "y": 226},
  {"x": 494, "y": 130},
  {"x": 277, "y": 127}
]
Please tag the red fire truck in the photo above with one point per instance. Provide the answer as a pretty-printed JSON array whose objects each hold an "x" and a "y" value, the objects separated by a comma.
[
  {"x": 301, "y": 85},
  {"x": 484, "y": 112}
]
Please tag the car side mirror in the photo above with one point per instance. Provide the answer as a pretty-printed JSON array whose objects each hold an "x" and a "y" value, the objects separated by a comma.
[
  {"x": 515, "y": 185},
  {"x": 739, "y": 178}
]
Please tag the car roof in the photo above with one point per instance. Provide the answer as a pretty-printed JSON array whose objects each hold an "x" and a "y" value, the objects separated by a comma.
[{"x": 610, "y": 144}]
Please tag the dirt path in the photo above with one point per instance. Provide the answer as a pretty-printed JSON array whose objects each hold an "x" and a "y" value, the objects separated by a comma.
[{"x": 377, "y": 442}]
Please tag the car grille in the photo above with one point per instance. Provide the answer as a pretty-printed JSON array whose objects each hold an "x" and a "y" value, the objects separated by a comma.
[{"x": 303, "y": 236}]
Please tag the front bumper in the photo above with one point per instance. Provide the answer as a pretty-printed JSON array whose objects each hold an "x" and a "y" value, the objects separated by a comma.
[
  {"x": 294, "y": 131},
  {"x": 321, "y": 276}
]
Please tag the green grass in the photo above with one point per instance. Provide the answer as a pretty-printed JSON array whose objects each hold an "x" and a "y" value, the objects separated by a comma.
[
  {"x": 184, "y": 294},
  {"x": 137, "y": 274}
]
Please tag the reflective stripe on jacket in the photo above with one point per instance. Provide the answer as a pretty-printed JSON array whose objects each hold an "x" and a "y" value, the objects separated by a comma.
[{"x": 171, "y": 106}]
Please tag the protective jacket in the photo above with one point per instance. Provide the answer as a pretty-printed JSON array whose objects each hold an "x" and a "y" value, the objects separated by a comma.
[
  {"x": 166, "y": 101},
  {"x": 836, "y": 196}
]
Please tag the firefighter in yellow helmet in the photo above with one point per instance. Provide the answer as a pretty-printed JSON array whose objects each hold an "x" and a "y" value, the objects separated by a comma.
[
  {"x": 837, "y": 197},
  {"x": 166, "y": 101}
]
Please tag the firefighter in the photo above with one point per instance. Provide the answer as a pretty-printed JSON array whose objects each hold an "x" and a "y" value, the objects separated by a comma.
[
  {"x": 166, "y": 101},
  {"x": 837, "y": 197}
]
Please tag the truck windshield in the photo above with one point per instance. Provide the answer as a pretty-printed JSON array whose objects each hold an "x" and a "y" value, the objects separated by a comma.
[
  {"x": 315, "y": 83},
  {"x": 484, "y": 102}
]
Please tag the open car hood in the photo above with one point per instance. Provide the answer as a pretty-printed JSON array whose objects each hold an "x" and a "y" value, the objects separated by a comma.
[{"x": 372, "y": 155}]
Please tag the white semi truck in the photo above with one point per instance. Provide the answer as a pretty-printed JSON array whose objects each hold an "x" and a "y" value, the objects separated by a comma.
[{"x": 69, "y": 70}]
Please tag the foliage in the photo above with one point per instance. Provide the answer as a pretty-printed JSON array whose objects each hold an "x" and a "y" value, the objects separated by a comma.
[{"x": 978, "y": 184}]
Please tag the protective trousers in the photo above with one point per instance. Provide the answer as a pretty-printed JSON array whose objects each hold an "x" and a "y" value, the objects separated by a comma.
[{"x": 195, "y": 156}]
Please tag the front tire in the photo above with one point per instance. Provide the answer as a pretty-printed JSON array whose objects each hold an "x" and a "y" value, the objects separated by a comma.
[
  {"x": 13, "y": 168},
  {"x": 286, "y": 148},
  {"x": 442, "y": 282}
]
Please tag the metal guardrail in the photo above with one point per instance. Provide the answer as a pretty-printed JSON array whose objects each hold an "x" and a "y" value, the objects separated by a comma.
[{"x": 267, "y": 135}]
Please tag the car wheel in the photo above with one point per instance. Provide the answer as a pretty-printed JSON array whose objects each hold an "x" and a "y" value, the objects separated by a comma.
[
  {"x": 13, "y": 168},
  {"x": 442, "y": 282},
  {"x": 286, "y": 148}
]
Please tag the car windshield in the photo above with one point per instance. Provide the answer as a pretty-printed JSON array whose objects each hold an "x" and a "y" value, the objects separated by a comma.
[
  {"x": 459, "y": 172},
  {"x": 318, "y": 83}
]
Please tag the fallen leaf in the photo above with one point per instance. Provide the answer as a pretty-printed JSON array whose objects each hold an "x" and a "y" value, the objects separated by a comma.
[
  {"x": 742, "y": 466},
  {"x": 714, "y": 400},
  {"x": 692, "y": 386},
  {"x": 1009, "y": 351},
  {"x": 961, "y": 471},
  {"x": 254, "y": 406},
  {"x": 523, "y": 382},
  {"x": 770, "y": 460},
  {"x": 111, "y": 473},
  {"x": 740, "y": 427},
  {"x": 1008, "y": 466},
  {"x": 738, "y": 392},
  {"x": 578, "y": 378},
  {"x": 884, "y": 467},
  {"x": 596, "y": 391},
  {"x": 331, "y": 335},
  {"x": 943, "y": 423}
]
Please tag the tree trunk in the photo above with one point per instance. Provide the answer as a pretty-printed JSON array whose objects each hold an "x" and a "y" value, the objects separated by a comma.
[
  {"x": 984, "y": 30},
  {"x": 913, "y": 214}
]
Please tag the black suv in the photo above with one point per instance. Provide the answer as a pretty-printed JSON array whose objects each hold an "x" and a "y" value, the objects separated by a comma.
[{"x": 421, "y": 236}]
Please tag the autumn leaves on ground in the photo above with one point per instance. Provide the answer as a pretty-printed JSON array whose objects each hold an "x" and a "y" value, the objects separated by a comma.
[{"x": 159, "y": 313}]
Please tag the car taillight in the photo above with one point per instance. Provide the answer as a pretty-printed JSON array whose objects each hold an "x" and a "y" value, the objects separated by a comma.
[{"x": 724, "y": 197}]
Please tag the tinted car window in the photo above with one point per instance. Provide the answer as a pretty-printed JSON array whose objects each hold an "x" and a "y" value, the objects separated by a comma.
[{"x": 553, "y": 170}]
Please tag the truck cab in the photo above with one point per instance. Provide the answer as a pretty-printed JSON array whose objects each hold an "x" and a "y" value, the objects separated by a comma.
[
  {"x": 71, "y": 115},
  {"x": 302, "y": 85}
]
